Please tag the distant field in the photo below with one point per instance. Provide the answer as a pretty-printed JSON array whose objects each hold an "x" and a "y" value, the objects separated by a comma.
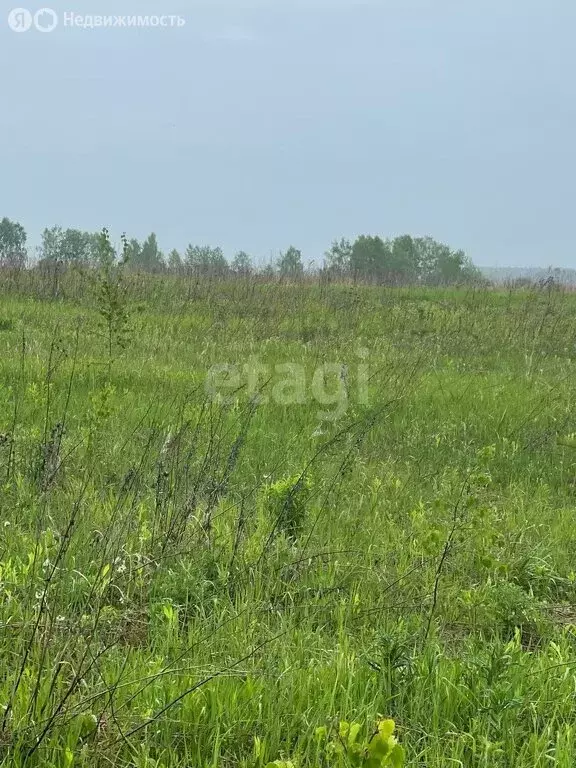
[{"x": 232, "y": 513}]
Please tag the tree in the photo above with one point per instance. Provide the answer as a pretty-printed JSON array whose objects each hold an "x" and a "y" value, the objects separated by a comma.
[
  {"x": 268, "y": 272},
  {"x": 49, "y": 250},
  {"x": 150, "y": 257},
  {"x": 439, "y": 264},
  {"x": 112, "y": 294},
  {"x": 242, "y": 264},
  {"x": 404, "y": 263},
  {"x": 12, "y": 244},
  {"x": 204, "y": 260},
  {"x": 77, "y": 247},
  {"x": 449, "y": 265},
  {"x": 70, "y": 246},
  {"x": 134, "y": 253},
  {"x": 371, "y": 258},
  {"x": 405, "y": 260},
  {"x": 471, "y": 274},
  {"x": 175, "y": 262},
  {"x": 290, "y": 263},
  {"x": 338, "y": 258},
  {"x": 456, "y": 268},
  {"x": 429, "y": 252}
]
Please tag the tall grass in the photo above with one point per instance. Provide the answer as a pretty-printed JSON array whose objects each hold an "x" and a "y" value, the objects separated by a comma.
[{"x": 197, "y": 580}]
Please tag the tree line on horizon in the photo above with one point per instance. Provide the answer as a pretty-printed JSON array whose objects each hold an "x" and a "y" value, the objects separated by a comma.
[{"x": 370, "y": 258}]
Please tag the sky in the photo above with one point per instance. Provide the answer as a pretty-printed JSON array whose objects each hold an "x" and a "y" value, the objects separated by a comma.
[{"x": 265, "y": 123}]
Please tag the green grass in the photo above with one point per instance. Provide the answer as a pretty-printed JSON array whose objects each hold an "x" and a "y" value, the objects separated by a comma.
[{"x": 189, "y": 580}]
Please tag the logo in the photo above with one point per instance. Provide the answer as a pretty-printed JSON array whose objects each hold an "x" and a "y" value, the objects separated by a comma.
[
  {"x": 45, "y": 20},
  {"x": 22, "y": 20}
]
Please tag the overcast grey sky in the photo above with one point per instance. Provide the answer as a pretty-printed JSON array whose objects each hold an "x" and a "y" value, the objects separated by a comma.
[{"x": 268, "y": 122}]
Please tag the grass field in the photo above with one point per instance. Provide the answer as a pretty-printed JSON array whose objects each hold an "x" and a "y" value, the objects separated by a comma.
[{"x": 369, "y": 513}]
